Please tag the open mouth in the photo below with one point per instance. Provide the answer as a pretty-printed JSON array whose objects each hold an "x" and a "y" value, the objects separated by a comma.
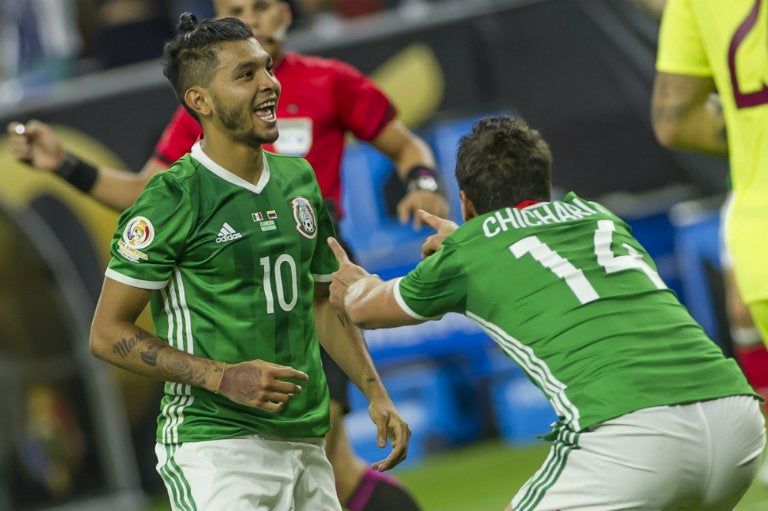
[{"x": 266, "y": 110}]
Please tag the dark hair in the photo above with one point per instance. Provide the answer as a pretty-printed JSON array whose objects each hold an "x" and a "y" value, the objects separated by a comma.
[
  {"x": 503, "y": 162},
  {"x": 190, "y": 59}
]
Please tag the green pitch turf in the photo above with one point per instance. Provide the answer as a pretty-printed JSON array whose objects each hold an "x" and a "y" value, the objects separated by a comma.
[{"x": 484, "y": 476}]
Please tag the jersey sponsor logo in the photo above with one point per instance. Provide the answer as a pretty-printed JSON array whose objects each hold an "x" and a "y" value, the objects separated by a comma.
[
  {"x": 295, "y": 136},
  {"x": 227, "y": 233},
  {"x": 306, "y": 223}
]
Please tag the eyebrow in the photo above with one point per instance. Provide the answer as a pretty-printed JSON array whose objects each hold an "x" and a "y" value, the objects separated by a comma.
[{"x": 257, "y": 62}]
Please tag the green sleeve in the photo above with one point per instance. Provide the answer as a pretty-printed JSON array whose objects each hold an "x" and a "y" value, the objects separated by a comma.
[
  {"x": 152, "y": 234},
  {"x": 436, "y": 286}
]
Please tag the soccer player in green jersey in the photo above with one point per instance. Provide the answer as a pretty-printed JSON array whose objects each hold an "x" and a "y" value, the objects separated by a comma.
[
  {"x": 228, "y": 248},
  {"x": 652, "y": 414}
]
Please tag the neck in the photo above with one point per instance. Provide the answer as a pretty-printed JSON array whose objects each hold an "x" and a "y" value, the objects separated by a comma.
[{"x": 244, "y": 161}]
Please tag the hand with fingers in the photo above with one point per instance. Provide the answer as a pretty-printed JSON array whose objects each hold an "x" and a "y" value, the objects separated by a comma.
[
  {"x": 35, "y": 143},
  {"x": 260, "y": 384},
  {"x": 347, "y": 274},
  {"x": 389, "y": 425},
  {"x": 443, "y": 227},
  {"x": 418, "y": 200}
]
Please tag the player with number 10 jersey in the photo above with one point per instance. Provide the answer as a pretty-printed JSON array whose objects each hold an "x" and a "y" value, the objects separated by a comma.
[
  {"x": 594, "y": 326},
  {"x": 235, "y": 264}
]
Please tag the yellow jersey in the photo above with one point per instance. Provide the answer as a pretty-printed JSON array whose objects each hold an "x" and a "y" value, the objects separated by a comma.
[{"x": 728, "y": 41}]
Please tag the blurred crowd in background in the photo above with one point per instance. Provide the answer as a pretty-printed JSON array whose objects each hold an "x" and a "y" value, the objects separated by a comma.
[{"x": 47, "y": 40}]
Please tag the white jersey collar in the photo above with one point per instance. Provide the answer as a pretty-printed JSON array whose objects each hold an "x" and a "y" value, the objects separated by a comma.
[{"x": 198, "y": 154}]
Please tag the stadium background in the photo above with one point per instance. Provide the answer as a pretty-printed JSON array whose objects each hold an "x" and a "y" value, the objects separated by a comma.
[{"x": 581, "y": 71}]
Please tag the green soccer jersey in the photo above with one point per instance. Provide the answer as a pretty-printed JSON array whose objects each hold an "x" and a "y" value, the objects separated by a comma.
[
  {"x": 572, "y": 297},
  {"x": 235, "y": 266}
]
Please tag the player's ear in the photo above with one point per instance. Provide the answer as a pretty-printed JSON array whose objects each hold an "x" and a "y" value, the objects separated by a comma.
[
  {"x": 468, "y": 210},
  {"x": 198, "y": 100},
  {"x": 287, "y": 16}
]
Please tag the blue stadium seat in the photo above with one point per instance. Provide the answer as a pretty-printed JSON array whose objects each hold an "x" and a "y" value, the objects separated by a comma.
[
  {"x": 432, "y": 397},
  {"x": 377, "y": 239},
  {"x": 521, "y": 411},
  {"x": 697, "y": 248}
]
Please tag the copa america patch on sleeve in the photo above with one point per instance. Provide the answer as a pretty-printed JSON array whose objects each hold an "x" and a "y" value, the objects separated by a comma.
[{"x": 138, "y": 234}]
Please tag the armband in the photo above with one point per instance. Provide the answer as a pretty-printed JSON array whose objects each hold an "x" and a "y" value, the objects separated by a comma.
[
  {"x": 76, "y": 172},
  {"x": 422, "y": 178}
]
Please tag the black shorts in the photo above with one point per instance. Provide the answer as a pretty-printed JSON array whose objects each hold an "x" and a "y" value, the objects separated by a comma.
[{"x": 338, "y": 381}]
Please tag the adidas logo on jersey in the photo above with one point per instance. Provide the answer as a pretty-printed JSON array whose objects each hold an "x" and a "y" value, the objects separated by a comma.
[{"x": 227, "y": 233}]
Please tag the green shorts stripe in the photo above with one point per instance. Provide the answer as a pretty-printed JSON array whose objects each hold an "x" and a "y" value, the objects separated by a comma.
[
  {"x": 178, "y": 486},
  {"x": 537, "y": 486}
]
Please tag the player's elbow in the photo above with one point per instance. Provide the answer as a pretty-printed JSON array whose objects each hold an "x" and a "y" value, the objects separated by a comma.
[
  {"x": 98, "y": 341},
  {"x": 667, "y": 134}
]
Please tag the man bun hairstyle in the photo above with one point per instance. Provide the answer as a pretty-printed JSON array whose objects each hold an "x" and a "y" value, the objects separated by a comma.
[
  {"x": 503, "y": 162},
  {"x": 187, "y": 22},
  {"x": 190, "y": 57}
]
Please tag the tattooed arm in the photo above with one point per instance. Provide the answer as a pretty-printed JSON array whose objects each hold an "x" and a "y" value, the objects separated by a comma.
[
  {"x": 117, "y": 339},
  {"x": 687, "y": 114},
  {"x": 345, "y": 344}
]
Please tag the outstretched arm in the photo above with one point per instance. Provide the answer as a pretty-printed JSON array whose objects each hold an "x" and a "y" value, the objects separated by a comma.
[
  {"x": 345, "y": 344},
  {"x": 687, "y": 114},
  {"x": 414, "y": 161},
  {"x": 367, "y": 300},
  {"x": 36, "y": 144},
  {"x": 117, "y": 339}
]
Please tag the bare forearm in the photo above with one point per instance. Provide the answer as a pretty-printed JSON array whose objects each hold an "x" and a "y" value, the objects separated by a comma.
[
  {"x": 415, "y": 153},
  {"x": 140, "y": 352},
  {"x": 700, "y": 129},
  {"x": 371, "y": 304},
  {"x": 687, "y": 115},
  {"x": 118, "y": 189},
  {"x": 344, "y": 342}
]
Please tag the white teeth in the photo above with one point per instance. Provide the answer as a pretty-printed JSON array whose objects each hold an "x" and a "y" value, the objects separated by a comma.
[{"x": 267, "y": 104}]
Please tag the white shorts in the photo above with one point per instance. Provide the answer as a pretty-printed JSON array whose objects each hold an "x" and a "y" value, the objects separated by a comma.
[
  {"x": 251, "y": 473},
  {"x": 701, "y": 456}
]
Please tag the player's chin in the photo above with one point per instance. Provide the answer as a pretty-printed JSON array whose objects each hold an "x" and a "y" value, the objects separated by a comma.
[
  {"x": 271, "y": 138},
  {"x": 267, "y": 132}
]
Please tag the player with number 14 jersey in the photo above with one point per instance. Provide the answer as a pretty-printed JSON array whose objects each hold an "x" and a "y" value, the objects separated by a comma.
[{"x": 594, "y": 326}]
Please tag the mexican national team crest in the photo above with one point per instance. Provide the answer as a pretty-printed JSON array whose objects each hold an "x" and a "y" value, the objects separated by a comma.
[{"x": 306, "y": 222}]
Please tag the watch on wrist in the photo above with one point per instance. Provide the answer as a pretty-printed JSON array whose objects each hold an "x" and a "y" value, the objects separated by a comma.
[{"x": 422, "y": 178}]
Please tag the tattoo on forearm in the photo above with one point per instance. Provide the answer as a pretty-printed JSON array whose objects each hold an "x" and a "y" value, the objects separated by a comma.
[
  {"x": 370, "y": 380},
  {"x": 668, "y": 113},
  {"x": 125, "y": 345},
  {"x": 344, "y": 319},
  {"x": 149, "y": 356}
]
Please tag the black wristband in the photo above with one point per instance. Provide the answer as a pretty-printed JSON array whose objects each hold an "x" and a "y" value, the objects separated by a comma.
[
  {"x": 422, "y": 178},
  {"x": 76, "y": 172}
]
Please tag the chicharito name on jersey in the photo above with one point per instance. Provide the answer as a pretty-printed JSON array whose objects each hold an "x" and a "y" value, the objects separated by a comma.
[{"x": 544, "y": 213}]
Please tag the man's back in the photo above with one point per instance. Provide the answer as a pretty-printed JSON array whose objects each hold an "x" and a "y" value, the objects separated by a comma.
[{"x": 573, "y": 298}]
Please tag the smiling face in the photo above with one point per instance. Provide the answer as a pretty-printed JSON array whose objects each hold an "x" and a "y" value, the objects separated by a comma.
[
  {"x": 243, "y": 93},
  {"x": 268, "y": 19}
]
